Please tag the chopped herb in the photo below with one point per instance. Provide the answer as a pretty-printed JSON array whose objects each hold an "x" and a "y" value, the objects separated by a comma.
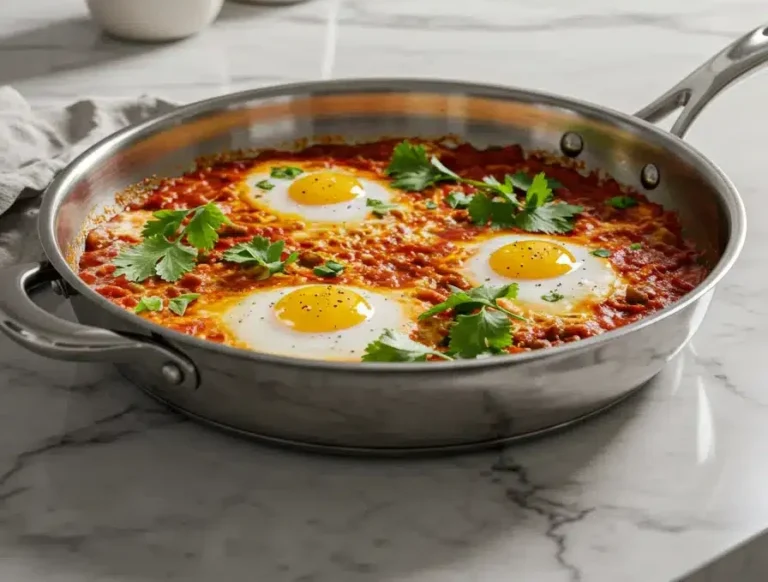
[
  {"x": 329, "y": 269},
  {"x": 553, "y": 297},
  {"x": 485, "y": 295},
  {"x": 393, "y": 346},
  {"x": 473, "y": 335},
  {"x": 260, "y": 253},
  {"x": 149, "y": 304},
  {"x": 201, "y": 230},
  {"x": 458, "y": 199},
  {"x": 162, "y": 252},
  {"x": 603, "y": 253},
  {"x": 621, "y": 202},
  {"x": 155, "y": 256},
  {"x": 379, "y": 207},
  {"x": 178, "y": 305},
  {"x": 430, "y": 204},
  {"x": 496, "y": 202},
  {"x": 265, "y": 185},
  {"x": 285, "y": 172},
  {"x": 635, "y": 246}
]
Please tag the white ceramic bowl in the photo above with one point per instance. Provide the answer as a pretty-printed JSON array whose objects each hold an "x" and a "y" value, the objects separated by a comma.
[{"x": 154, "y": 20}]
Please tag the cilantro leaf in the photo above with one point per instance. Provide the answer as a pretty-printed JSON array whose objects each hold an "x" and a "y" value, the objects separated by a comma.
[
  {"x": 379, "y": 207},
  {"x": 553, "y": 297},
  {"x": 285, "y": 172},
  {"x": 475, "y": 334},
  {"x": 413, "y": 171},
  {"x": 178, "y": 305},
  {"x": 430, "y": 204},
  {"x": 149, "y": 304},
  {"x": 201, "y": 230},
  {"x": 480, "y": 209},
  {"x": 457, "y": 199},
  {"x": 485, "y": 295},
  {"x": 261, "y": 253},
  {"x": 393, "y": 346},
  {"x": 538, "y": 193},
  {"x": 329, "y": 269},
  {"x": 165, "y": 223},
  {"x": 621, "y": 202},
  {"x": 552, "y": 217},
  {"x": 635, "y": 246},
  {"x": 602, "y": 253},
  {"x": 523, "y": 181},
  {"x": 140, "y": 262},
  {"x": 265, "y": 185},
  {"x": 177, "y": 260}
]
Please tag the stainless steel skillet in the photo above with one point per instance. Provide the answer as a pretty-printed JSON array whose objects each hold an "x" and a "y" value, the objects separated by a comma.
[{"x": 388, "y": 408}]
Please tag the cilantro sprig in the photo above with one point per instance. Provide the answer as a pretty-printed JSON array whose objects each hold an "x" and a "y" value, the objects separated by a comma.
[
  {"x": 149, "y": 303},
  {"x": 481, "y": 327},
  {"x": 495, "y": 202},
  {"x": 393, "y": 346},
  {"x": 178, "y": 305},
  {"x": 329, "y": 269},
  {"x": 621, "y": 202},
  {"x": 379, "y": 207},
  {"x": 484, "y": 296},
  {"x": 262, "y": 254},
  {"x": 163, "y": 251}
]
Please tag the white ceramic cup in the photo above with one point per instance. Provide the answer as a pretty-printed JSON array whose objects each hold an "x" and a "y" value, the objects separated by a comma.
[{"x": 154, "y": 20}]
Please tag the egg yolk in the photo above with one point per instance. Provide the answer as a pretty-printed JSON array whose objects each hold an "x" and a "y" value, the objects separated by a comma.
[
  {"x": 532, "y": 259},
  {"x": 322, "y": 188},
  {"x": 322, "y": 308}
]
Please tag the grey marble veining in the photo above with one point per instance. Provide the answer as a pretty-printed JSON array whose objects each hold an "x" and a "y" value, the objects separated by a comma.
[{"x": 98, "y": 483}]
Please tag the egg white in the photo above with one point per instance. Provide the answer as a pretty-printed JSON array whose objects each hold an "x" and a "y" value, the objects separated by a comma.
[
  {"x": 253, "y": 321},
  {"x": 278, "y": 200},
  {"x": 592, "y": 278}
]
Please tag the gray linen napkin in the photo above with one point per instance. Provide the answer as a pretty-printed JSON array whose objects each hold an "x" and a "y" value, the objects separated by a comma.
[{"x": 36, "y": 144}]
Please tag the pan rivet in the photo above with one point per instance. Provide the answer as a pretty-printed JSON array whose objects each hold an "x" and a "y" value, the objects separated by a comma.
[
  {"x": 571, "y": 144},
  {"x": 172, "y": 374},
  {"x": 649, "y": 176}
]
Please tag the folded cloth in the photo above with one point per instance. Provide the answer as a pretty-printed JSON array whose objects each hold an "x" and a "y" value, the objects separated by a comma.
[{"x": 36, "y": 144}]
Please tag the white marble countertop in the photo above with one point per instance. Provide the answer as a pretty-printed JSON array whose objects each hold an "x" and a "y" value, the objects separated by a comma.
[{"x": 97, "y": 483}]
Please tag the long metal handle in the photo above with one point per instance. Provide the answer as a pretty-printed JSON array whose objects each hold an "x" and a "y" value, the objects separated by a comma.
[
  {"x": 43, "y": 333},
  {"x": 700, "y": 87}
]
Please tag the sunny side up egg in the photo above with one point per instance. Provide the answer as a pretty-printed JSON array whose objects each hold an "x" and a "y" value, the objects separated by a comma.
[
  {"x": 552, "y": 275},
  {"x": 319, "y": 195},
  {"x": 323, "y": 322}
]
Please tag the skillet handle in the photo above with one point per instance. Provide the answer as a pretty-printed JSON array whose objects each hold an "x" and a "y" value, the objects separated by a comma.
[
  {"x": 695, "y": 91},
  {"x": 45, "y": 334}
]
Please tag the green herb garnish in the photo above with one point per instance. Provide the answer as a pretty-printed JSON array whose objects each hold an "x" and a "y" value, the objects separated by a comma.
[
  {"x": 430, "y": 204},
  {"x": 149, "y": 304},
  {"x": 457, "y": 199},
  {"x": 163, "y": 252},
  {"x": 602, "y": 253},
  {"x": 483, "y": 296},
  {"x": 480, "y": 332},
  {"x": 496, "y": 202},
  {"x": 265, "y": 185},
  {"x": 553, "y": 297},
  {"x": 635, "y": 246},
  {"x": 394, "y": 346},
  {"x": 621, "y": 202},
  {"x": 261, "y": 253},
  {"x": 329, "y": 269},
  {"x": 285, "y": 172},
  {"x": 178, "y": 305},
  {"x": 379, "y": 207}
]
